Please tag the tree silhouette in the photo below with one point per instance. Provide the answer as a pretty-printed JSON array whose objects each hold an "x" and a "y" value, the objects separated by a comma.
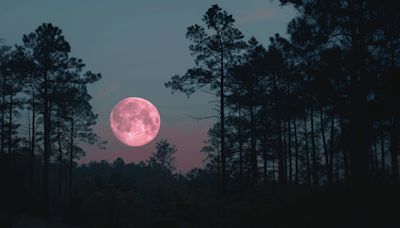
[
  {"x": 57, "y": 74},
  {"x": 49, "y": 51},
  {"x": 247, "y": 78},
  {"x": 215, "y": 48},
  {"x": 163, "y": 158}
]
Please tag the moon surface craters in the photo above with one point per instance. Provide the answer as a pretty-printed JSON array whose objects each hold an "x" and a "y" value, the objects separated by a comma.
[{"x": 135, "y": 121}]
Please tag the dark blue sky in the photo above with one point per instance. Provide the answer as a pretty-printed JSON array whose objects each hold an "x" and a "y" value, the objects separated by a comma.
[{"x": 137, "y": 46}]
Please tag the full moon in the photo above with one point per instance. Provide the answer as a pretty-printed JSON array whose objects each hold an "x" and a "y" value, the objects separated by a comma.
[{"x": 135, "y": 121}]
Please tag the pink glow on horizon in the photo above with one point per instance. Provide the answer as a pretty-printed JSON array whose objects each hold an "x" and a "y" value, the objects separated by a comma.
[{"x": 188, "y": 137}]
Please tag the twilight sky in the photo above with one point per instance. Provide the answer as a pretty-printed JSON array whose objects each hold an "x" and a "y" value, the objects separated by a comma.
[{"x": 137, "y": 46}]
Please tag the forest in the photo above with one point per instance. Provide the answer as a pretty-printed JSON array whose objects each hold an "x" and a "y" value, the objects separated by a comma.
[{"x": 306, "y": 130}]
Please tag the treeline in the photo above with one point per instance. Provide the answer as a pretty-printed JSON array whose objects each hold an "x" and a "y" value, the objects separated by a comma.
[
  {"x": 45, "y": 115},
  {"x": 107, "y": 194},
  {"x": 317, "y": 108}
]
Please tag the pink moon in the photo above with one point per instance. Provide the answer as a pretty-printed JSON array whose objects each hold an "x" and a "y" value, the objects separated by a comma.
[{"x": 135, "y": 121}]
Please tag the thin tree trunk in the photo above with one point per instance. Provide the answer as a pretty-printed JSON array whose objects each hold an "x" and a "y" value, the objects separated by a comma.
[
  {"x": 240, "y": 150},
  {"x": 344, "y": 151},
  {"x": 376, "y": 156},
  {"x": 328, "y": 173},
  {"x": 71, "y": 157},
  {"x": 332, "y": 146},
  {"x": 371, "y": 158},
  {"x": 285, "y": 151},
  {"x": 265, "y": 156},
  {"x": 337, "y": 158},
  {"x": 393, "y": 137},
  {"x": 382, "y": 143},
  {"x": 307, "y": 151},
  {"x": 10, "y": 132},
  {"x": 29, "y": 138},
  {"x": 3, "y": 110},
  {"x": 222, "y": 120},
  {"x": 254, "y": 168},
  {"x": 32, "y": 154},
  {"x": 289, "y": 152},
  {"x": 281, "y": 158},
  {"x": 265, "y": 167},
  {"x": 313, "y": 149},
  {"x": 219, "y": 167},
  {"x": 394, "y": 153},
  {"x": 60, "y": 157},
  {"x": 279, "y": 144},
  {"x": 296, "y": 151},
  {"x": 274, "y": 171},
  {"x": 46, "y": 152},
  {"x": 10, "y": 119}
]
